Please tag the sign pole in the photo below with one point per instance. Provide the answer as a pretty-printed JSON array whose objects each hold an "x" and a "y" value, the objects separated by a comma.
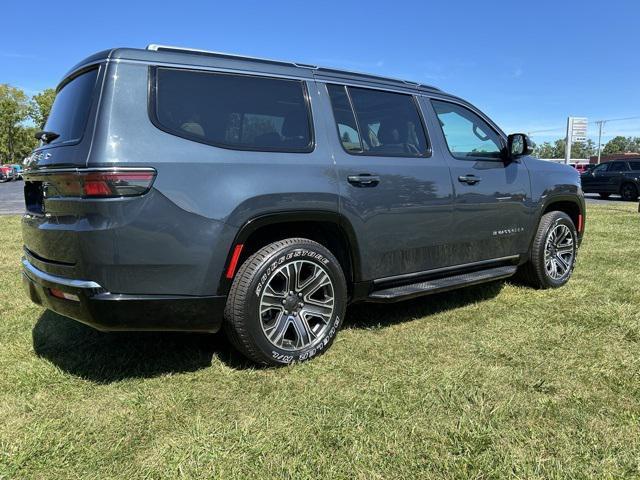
[{"x": 567, "y": 147}]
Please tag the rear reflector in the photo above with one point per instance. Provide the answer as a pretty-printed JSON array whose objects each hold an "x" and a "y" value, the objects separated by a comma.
[
  {"x": 98, "y": 184},
  {"x": 580, "y": 223},
  {"x": 231, "y": 270},
  {"x": 63, "y": 295}
]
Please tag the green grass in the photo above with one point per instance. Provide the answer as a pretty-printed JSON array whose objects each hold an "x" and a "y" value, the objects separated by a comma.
[{"x": 491, "y": 381}]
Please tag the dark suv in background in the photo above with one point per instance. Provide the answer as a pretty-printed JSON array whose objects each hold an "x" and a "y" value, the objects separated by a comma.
[
  {"x": 178, "y": 189},
  {"x": 616, "y": 177}
]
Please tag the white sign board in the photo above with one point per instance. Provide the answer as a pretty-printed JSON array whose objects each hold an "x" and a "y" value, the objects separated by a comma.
[
  {"x": 576, "y": 132},
  {"x": 578, "y": 129}
]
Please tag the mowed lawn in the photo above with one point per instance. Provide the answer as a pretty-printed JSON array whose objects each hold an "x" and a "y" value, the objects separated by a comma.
[{"x": 492, "y": 381}]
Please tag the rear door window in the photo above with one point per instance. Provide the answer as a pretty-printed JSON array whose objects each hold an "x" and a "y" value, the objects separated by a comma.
[
  {"x": 376, "y": 122},
  {"x": 240, "y": 112},
  {"x": 70, "y": 110},
  {"x": 635, "y": 166},
  {"x": 618, "y": 167}
]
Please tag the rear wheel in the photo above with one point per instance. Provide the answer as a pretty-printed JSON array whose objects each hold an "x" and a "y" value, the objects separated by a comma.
[
  {"x": 286, "y": 303},
  {"x": 553, "y": 253},
  {"x": 629, "y": 192},
  {"x": 604, "y": 195}
]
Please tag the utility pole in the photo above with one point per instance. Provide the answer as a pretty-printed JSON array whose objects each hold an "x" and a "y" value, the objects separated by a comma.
[
  {"x": 567, "y": 145},
  {"x": 600, "y": 124}
]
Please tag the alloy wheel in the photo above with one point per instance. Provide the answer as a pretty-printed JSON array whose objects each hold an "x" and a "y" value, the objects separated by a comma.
[
  {"x": 559, "y": 252},
  {"x": 296, "y": 305}
]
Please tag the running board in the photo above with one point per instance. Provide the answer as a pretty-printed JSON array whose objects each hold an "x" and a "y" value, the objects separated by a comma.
[{"x": 404, "y": 292}]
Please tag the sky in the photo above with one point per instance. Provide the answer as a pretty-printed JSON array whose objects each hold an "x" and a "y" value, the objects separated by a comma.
[{"x": 528, "y": 65}]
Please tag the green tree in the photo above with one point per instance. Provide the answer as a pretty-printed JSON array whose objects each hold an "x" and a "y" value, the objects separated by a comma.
[
  {"x": 544, "y": 150},
  {"x": 14, "y": 111},
  {"x": 40, "y": 106},
  {"x": 622, "y": 144},
  {"x": 583, "y": 149},
  {"x": 557, "y": 149}
]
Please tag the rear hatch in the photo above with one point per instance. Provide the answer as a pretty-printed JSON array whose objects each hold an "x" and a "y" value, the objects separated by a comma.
[{"x": 50, "y": 227}]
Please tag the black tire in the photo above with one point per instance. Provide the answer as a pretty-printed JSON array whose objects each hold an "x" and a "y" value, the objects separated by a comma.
[
  {"x": 534, "y": 272},
  {"x": 629, "y": 192},
  {"x": 604, "y": 195},
  {"x": 246, "y": 325}
]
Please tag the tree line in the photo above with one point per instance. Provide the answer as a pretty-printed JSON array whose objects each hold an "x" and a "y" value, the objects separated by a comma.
[
  {"x": 587, "y": 149},
  {"x": 21, "y": 117}
]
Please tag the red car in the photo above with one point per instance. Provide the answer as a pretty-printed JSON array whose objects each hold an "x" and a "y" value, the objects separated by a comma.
[
  {"x": 581, "y": 167},
  {"x": 6, "y": 173}
]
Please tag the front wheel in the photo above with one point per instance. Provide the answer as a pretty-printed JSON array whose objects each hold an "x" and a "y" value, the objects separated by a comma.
[
  {"x": 553, "y": 252},
  {"x": 286, "y": 302}
]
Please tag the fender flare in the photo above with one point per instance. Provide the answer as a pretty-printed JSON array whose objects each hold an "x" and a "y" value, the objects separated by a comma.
[{"x": 296, "y": 216}]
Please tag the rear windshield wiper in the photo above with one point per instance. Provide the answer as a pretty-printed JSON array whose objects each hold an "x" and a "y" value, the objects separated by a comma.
[{"x": 46, "y": 137}]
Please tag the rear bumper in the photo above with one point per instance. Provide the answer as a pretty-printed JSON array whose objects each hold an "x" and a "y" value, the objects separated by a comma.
[{"x": 114, "y": 312}]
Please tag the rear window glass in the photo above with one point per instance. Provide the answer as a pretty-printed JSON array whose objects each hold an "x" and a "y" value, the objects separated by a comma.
[
  {"x": 68, "y": 117},
  {"x": 385, "y": 123},
  {"x": 234, "y": 111}
]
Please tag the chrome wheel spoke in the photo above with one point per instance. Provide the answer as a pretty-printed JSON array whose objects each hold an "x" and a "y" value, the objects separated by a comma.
[
  {"x": 319, "y": 279},
  {"x": 271, "y": 300},
  {"x": 303, "y": 331},
  {"x": 320, "y": 310},
  {"x": 276, "y": 332},
  {"x": 292, "y": 275}
]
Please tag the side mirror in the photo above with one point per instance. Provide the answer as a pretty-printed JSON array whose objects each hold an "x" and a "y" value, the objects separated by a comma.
[{"x": 519, "y": 145}]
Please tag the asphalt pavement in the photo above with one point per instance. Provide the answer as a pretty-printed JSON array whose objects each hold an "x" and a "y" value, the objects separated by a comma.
[{"x": 12, "y": 200}]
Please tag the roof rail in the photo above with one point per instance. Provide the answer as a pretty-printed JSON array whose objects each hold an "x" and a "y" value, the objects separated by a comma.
[{"x": 213, "y": 53}]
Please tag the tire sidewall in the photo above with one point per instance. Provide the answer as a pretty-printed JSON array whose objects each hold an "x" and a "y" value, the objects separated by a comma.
[
  {"x": 559, "y": 220},
  {"x": 257, "y": 284},
  {"x": 633, "y": 192}
]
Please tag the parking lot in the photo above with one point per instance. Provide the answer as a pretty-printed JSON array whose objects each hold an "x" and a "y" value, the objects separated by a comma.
[{"x": 11, "y": 198}]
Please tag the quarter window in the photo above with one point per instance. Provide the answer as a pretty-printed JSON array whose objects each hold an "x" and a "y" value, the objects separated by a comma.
[
  {"x": 374, "y": 122},
  {"x": 234, "y": 111},
  {"x": 468, "y": 136}
]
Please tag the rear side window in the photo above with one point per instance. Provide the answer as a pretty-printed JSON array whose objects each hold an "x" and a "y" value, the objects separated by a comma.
[
  {"x": 635, "y": 166},
  {"x": 233, "y": 111},
  {"x": 375, "y": 122},
  {"x": 618, "y": 167},
  {"x": 468, "y": 136},
  {"x": 68, "y": 117}
]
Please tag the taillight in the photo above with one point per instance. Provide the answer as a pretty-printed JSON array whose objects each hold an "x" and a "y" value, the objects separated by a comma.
[{"x": 98, "y": 184}]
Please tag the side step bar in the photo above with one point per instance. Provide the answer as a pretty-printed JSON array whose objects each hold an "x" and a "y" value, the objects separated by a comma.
[{"x": 404, "y": 292}]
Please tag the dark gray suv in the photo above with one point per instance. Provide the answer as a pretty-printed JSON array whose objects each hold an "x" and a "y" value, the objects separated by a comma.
[{"x": 179, "y": 189}]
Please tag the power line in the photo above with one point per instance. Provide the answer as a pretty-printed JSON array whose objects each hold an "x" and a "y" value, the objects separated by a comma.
[{"x": 593, "y": 122}]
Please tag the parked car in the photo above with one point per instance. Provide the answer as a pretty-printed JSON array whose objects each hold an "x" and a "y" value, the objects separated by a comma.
[
  {"x": 6, "y": 173},
  {"x": 581, "y": 167},
  {"x": 17, "y": 172},
  {"x": 617, "y": 177},
  {"x": 201, "y": 191}
]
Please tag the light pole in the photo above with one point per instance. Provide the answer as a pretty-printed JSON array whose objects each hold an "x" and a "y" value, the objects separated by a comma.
[{"x": 600, "y": 124}]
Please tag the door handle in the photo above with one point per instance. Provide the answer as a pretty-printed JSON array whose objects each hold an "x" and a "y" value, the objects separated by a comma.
[
  {"x": 363, "y": 180},
  {"x": 469, "y": 179}
]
